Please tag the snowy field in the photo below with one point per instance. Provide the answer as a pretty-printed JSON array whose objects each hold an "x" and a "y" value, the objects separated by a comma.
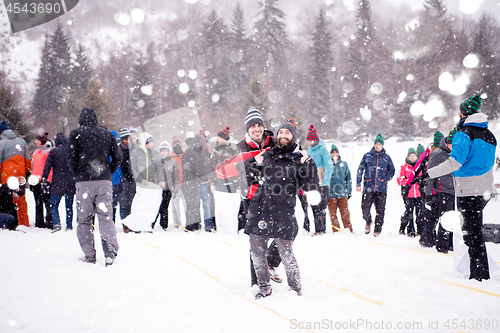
[{"x": 176, "y": 281}]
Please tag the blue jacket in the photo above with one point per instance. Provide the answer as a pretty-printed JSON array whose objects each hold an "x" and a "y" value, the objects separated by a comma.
[
  {"x": 340, "y": 181},
  {"x": 117, "y": 177},
  {"x": 321, "y": 156},
  {"x": 472, "y": 157},
  {"x": 377, "y": 169}
]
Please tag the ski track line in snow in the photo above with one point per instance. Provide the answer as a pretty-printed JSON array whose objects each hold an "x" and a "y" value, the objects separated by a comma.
[
  {"x": 212, "y": 277},
  {"x": 314, "y": 279},
  {"x": 396, "y": 270}
]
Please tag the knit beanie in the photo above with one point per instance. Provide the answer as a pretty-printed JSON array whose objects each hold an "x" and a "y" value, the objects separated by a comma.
[
  {"x": 164, "y": 145},
  {"x": 450, "y": 136},
  {"x": 312, "y": 134},
  {"x": 334, "y": 148},
  {"x": 420, "y": 149},
  {"x": 411, "y": 151},
  {"x": 290, "y": 125},
  {"x": 202, "y": 133},
  {"x": 471, "y": 105},
  {"x": 3, "y": 126},
  {"x": 176, "y": 141},
  {"x": 132, "y": 129},
  {"x": 253, "y": 117},
  {"x": 189, "y": 135},
  {"x": 379, "y": 138},
  {"x": 42, "y": 138},
  {"x": 124, "y": 133},
  {"x": 224, "y": 133},
  {"x": 437, "y": 137}
]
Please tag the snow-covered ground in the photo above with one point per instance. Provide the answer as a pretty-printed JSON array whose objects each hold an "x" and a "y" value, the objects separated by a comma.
[{"x": 199, "y": 282}]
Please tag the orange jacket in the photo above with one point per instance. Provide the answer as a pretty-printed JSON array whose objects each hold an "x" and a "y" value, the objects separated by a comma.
[{"x": 14, "y": 157}]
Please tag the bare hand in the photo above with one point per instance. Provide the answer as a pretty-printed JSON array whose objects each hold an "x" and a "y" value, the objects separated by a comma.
[
  {"x": 144, "y": 182},
  {"x": 304, "y": 156},
  {"x": 358, "y": 188},
  {"x": 162, "y": 184},
  {"x": 259, "y": 158},
  {"x": 212, "y": 188}
]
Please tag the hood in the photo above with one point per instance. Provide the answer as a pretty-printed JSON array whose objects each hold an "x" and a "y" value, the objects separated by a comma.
[
  {"x": 88, "y": 117},
  {"x": 143, "y": 138},
  {"x": 443, "y": 145},
  {"x": 318, "y": 145},
  {"x": 197, "y": 142},
  {"x": 60, "y": 139},
  {"x": 9, "y": 134},
  {"x": 476, "y": 120}
]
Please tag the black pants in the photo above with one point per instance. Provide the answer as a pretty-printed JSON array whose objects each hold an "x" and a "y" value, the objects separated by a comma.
[
  {"x": 303, "y": 202},
  {"x": 319, "y": 211},
  {"x": 412, "y": 205},
  {"x": 42, "y": 198},
  {"x": 444, "y": 239},
  {"x": 163, "y": 211},
  {"x": 472, "y": 212},
  {"x": 377, "y": 198}
]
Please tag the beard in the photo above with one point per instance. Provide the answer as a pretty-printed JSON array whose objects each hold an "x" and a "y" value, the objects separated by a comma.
[{"x": 284, "y": 143}]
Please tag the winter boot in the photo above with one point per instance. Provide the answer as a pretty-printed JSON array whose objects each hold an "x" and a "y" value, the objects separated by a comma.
[
  {"x": 56, "y": 228},
  {"x": 90, "y": 260},
  {"x": 273, "y": 274},
  {"x": 261, "y": 295},
  {"x": 110, "y": 258},
  {"x": 368, "y": 228}
]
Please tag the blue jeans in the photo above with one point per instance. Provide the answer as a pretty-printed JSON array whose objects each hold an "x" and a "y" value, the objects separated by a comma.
[
  {"x": 206, "y": 199},
  {"x": 54, "y": 209}
]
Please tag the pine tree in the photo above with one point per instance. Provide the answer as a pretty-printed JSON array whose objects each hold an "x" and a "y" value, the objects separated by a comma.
[
  {"x": 10, "y": 109},
  {"x": 81, "y": 71},
  {"x": 320, "y": 68},
  {"x": 240, "y": 54},
  {"x": 257, "y": 98},
  {"x": 143, "y": 104}
]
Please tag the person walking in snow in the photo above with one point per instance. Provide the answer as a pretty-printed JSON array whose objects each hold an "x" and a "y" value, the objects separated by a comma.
[
  {"x": 271, "y": 213},
  {"x": 320, "y": 155},
  {"x": 63, "y": 182},
  {"x": 339, "y": 191},
  {"x": 411, "y": 196},
  {"x": 471, "y": 161},
  {"x": 170, "y": 170},
  {"x": 443, "y": 189},
  {"x": 375, "y": 170},
  {"x": 41, "y": 189},
  {"x": 127, "y": 186},
  {"x": 93, "y": 156}
]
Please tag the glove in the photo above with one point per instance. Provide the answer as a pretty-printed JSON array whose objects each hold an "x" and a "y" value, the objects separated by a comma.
[
  {"x": 45, "y": 187},
  {"x": 422, "y": 179}
]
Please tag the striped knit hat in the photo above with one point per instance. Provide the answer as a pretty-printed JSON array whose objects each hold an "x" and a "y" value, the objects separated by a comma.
[
  {"x": 253, "y": 117},
  {"x": 132, "y": 129},
  {"x": 420, "y": 149},
  {"x": 124, "y": 133},
  {"x": 379, "y": 139},
  {"x": 437, "y": 137},
  {"x": 224, "y": 133},
  {"x": 42, "y": 138},
  {"x": 290, "y": 125},
  {"x": 450, "y": 136},
  {"x": 176, "y": 141},
  {"x": 471, "y": 105},
  {"x": 312, "y": 134},
  {"x": 3, "y": 126},
  {"x": 164, "y": 145}
]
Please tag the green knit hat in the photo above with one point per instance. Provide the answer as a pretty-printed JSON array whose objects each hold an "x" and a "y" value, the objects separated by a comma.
[
  {"x": 471, "y": 105},
  {"x": 379, "y": 138},
  {"x": 420, "y": 149},
  {"x": 450, "y": 136},
  {"x": 411, "y": 151},
  {"x": 334, "y": 148},
  {"x": 437, "y": 137}
]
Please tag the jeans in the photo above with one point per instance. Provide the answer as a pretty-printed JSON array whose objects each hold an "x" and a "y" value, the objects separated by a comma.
[
  {"x": 127, "y": 193},
  {"x": 205, "y": 198},
  {"x": 54, "y": 209}
]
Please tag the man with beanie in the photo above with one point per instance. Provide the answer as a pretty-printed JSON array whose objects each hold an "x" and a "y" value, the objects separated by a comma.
[
  {"x": 177, "y": 153},
  {"x": 471, "y": 161},
  {"x": 339, "y": 191},
  {"x": 375, "y": 170},
  {"x": 440, "y": 198},
  {"x": 127, "y": 186},
  {"x": 271, "y": 213},
  {"x": 93, "y": 156},
  {"x": 319, "y": 153},
  {"x": 15, "y": 162},
  {"x": 134, "y": 138},
  {"x": 146, "y": 162},
  {"x": 225, "y": 187},
  {"x": 420, "y": 150},
  {"x": 41, "y": 189},
  {"x": 171, "y": 176}
]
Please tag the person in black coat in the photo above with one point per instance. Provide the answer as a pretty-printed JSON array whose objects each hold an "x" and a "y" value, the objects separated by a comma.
[
  {"x": 127, "y": 186},
  {"x": 8, "y": 209},
  {"x": 63, "y": 182},
  {"x": 283, "y": 171}
]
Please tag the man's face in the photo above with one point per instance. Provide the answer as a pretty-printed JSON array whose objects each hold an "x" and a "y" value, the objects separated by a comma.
[
  {"x": 378, "y": 147},
  {"x": 220, "y": 141},
  {"x": 134, "y": 136},
  {"x": 256, "y": 131},
  {"x": 126, "y": 141},
  {"x": 335, "y": 155},
  {"x": 284, "y": 137},
  {"x": 311, "y": 142},
  {"x": 149, "y": 145}
]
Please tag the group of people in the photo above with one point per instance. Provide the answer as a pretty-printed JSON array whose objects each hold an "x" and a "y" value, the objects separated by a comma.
[{"x": 250, "y": 185}]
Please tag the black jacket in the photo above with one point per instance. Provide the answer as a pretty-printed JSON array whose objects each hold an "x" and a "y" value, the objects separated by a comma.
[
  {"x": 281, "y": 176},
  {"x": 443, "y": 184},
  {"x": 223, "y": 182},
  {"x": 7, "y": 205},
  {"x": 62, "y": 178},
  {"x": 128, "y": 174},
  {"x": 196, "y": 162},
  {"x": 90, "y": 148}
]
